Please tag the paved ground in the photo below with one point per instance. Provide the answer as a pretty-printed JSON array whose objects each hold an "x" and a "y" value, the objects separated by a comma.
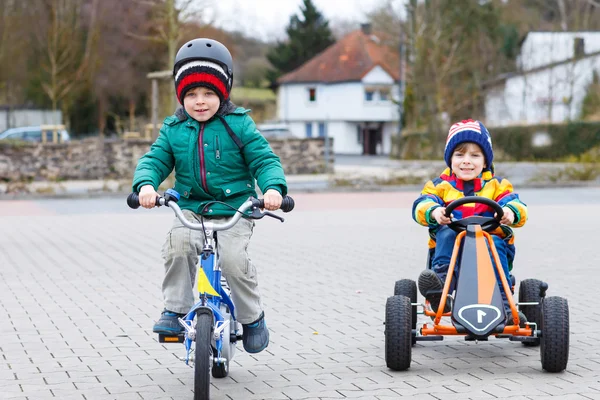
[{"x": 80, "y": 289}]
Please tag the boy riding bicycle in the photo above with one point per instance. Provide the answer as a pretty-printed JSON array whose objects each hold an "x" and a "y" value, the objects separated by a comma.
[{"x": 218, "y": 156}]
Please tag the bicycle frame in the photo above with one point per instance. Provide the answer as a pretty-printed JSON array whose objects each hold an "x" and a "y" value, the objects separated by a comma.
[{"x": 212, "y": 294}]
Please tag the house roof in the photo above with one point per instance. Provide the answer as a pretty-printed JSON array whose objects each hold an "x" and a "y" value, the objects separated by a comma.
[
  {"x": 349, "y": 59},
  {"x": 502, "y": 78},
  {"x": 563, "y": 33}
]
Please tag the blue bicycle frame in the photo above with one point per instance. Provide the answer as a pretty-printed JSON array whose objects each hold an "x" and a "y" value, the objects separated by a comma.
[{"x": 210, "y": 270}]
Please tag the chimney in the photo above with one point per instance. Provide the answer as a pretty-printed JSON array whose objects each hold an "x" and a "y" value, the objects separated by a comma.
[{"x": 366, "y": 28}]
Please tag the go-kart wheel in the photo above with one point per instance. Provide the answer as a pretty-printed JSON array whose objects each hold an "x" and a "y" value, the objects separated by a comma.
[
  {"x": 398, "y": 333},
  {"x": 554, "y": 349},
  {"x": 529, "y": 292},
  {"x": 408, "y": 288}
]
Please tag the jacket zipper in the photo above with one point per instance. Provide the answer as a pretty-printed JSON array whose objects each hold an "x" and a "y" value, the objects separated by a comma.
[
  {"x": 217, "y": 148},
  {"x": 201, "y": 156}
]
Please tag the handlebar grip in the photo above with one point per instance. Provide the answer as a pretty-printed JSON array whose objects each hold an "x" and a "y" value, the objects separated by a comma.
[
  {"x": 133, "y": 200},
  {"x": 287, "y": 204}
]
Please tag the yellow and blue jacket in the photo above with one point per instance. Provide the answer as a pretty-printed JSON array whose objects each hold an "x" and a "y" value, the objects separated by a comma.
[{"x": 442, "y": 191}]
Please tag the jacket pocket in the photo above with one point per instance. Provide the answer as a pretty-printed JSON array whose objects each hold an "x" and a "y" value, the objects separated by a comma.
[
  {"x": 235, "y": 188},
  {"x": 183, "y": 190}
]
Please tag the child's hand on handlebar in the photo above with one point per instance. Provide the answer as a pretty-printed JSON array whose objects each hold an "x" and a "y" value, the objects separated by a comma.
[
  {"x": 439, "y": 214},
  {"x": 508, "y": 218},
  {"x": 148, "y": 196},
  {"x": 272, "y": 199}
]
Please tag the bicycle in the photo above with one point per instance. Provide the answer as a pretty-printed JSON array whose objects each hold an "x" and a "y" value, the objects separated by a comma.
[{"x": 213, "y": 337}]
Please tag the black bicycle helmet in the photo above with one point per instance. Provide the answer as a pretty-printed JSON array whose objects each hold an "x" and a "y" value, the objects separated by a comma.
[{"x": 205, "y": 49}]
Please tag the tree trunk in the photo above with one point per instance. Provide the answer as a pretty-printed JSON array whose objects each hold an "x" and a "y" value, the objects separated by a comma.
[
  {"x": 131, "y": 114},
  {"x": 101, "y": 115}
]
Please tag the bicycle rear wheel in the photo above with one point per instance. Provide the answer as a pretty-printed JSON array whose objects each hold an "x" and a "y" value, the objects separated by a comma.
[{"x": 203, "y": 356}]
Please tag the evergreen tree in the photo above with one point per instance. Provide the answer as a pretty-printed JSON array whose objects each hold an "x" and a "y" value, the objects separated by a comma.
[{"x": 308, "y": 35}]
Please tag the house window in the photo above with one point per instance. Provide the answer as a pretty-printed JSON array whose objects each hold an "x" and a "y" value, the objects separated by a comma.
[
  {"x": 309, "y": 129},
  {"x": 384, "y": 94},
  {"x": 579, "y": 47},
  {"x": 359, "y": 134},
  {"x": 312, "y": 94},
  {"x": 321, "y": 129},
  {"x": 369, "y": 94}
]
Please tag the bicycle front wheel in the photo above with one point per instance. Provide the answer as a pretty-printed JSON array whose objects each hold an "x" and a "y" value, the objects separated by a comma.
[{"x": 203, "y": 356}]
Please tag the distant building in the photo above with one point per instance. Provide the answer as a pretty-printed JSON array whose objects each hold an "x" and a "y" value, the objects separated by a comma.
[
  {"x": 554, "y": 72},
  {"x": 18, "y": 116},
  {"x": 345, "y": 92}
]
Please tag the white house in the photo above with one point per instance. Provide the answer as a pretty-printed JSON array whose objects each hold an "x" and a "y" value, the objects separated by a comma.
[
  {"x": 554, "y": 72},
  {"x": 345, "y": 92}
]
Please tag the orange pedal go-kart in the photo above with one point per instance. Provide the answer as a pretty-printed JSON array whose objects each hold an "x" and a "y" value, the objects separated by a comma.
[{"x": 477, "y": 310}]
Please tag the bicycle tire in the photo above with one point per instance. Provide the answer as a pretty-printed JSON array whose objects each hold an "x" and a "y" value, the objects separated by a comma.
[{"x": 203, "y": 356}]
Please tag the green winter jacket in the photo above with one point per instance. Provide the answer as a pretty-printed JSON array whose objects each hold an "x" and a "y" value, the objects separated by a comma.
[{"x": 209, "y": 165}]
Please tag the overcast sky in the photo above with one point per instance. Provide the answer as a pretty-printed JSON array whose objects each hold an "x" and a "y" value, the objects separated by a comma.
[{"x": 267, "y": 19}]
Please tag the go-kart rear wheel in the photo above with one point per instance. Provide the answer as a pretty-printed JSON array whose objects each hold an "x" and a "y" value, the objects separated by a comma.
[
  {"x": 398, "y": 333},
  {"x": 408, "y": 288},
  {"x": 529, "y": 292},
  {"x": 554, "y": 349}
]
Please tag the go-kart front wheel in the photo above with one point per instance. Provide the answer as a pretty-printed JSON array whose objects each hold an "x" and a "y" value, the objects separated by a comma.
[
  {"x": 554, "y": 343},
  {"x": 398, "y": 333},
  {"x": 408, "y": 288}
]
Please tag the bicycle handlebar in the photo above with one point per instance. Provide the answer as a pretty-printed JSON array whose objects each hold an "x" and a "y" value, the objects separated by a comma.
[{"x": 287, "y": 205}]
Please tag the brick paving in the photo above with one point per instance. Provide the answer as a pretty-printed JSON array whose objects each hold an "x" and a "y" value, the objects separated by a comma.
[{"x": 80, "y": 290}]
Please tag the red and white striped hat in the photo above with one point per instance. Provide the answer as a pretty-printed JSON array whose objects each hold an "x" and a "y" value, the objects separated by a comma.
[{"x": 195, "y": 73}]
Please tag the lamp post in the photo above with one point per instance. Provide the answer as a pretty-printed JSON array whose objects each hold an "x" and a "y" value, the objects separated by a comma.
[{"x": 401, "y": 89}]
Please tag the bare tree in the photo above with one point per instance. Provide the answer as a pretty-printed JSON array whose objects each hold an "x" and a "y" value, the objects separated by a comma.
[
  {"x": 13, "y": 54},
  {"x": 455, "y": 51},
  {"x": 67, "y": 44},
  {"x": 167, "y": 18}
]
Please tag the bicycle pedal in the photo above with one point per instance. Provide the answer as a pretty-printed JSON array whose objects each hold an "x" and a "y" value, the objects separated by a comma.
[{"x": 162, "y": 338}]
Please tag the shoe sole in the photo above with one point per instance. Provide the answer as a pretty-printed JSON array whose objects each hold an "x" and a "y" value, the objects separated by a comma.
[
  {"x": 166, "y": 331},
  {"x": 256, "y": 351},
  {"x": 429, "y": 282}
]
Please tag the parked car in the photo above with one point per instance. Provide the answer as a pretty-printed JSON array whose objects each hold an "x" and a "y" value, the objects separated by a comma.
[
  {"x": 275, "y": 131},
  {"x": 34, "y": 133}
]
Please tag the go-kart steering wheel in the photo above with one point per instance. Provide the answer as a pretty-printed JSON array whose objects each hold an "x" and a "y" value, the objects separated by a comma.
[{"x": 488, "y": 224}]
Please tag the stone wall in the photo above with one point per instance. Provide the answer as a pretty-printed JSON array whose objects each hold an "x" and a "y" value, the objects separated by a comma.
[{"x": 116, "y": 159}]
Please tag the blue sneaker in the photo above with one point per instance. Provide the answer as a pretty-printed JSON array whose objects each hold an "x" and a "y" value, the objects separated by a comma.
[
  {"x": 256, "y": 335},
  {"x": 168, "y": 324}
]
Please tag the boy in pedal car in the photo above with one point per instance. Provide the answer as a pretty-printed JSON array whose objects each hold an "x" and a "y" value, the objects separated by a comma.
[
  {"x": 469, "y": 156},
  {"x": 217, "y": 153}
]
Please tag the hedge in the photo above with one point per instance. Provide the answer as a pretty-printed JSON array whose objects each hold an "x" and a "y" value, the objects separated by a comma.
[{"x": 515, "y": 143}]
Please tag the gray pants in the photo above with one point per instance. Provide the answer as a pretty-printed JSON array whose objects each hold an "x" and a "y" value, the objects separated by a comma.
[{"x": 180, "y": 253}]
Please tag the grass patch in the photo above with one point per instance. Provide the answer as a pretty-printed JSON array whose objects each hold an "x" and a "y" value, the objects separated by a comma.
[{"x": 241, "y": 94}]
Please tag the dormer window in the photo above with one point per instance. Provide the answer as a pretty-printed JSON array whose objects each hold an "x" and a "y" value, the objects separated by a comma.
[
  {"x": 377, "y": 94},
  {"x": 384, "y": 94}
]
